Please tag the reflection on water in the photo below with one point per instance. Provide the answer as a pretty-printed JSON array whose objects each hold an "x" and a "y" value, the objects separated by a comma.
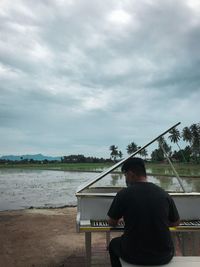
[
  {"x": 21, "y": 189},
  {"x": 190, "y": 170},
  {"x": 168, "y": 183}
]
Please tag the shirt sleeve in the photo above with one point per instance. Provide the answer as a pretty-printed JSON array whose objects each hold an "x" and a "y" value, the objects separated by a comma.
[
  {"x": 173, "y": 212},
  {"x": 116, "y": 209}
]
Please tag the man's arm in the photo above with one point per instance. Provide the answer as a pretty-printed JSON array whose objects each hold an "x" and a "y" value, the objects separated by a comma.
[
  {"x": 116, "y": 210},
  {"x": 112, "y": 222},
  {"x": 115, "y": 222},
  {"x": 174, "y": 218}
]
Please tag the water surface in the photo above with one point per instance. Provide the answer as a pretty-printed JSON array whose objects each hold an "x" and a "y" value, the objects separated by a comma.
[{"x": 20, "y": 189}]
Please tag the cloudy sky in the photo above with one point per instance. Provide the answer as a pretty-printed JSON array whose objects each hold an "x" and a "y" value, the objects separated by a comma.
[{"x": 77, "y": 76}]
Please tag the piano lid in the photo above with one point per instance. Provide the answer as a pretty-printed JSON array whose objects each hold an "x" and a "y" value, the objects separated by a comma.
[{"x": 84, "y": 187}]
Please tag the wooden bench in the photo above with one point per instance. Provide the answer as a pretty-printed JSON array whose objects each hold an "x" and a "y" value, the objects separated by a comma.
[{"x": 175, "y": 262}]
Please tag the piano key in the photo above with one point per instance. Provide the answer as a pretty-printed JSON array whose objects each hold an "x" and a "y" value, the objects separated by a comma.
[{"x": 104, "y": 224}]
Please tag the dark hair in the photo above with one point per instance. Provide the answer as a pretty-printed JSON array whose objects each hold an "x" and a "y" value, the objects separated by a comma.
[{"x": 136, "y": 165}]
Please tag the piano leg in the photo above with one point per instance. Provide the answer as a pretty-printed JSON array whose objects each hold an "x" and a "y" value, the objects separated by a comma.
[
  {"x": 184, "y": 245},
  {"x": 181, "y": 238},
  {"x": 195, "y": 244},
  {"x": 173, "y": 235},
  {"x": 88, "y": 248},
  {"x": 107, "y": 239}
]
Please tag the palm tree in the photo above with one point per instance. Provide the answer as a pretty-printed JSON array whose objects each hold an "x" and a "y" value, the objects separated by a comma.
[
  {"x": 161, "y": 140},
  {"x": 143, "y": 152},
  {"x": 192, "y": 135},
  {"x": 157, "y": 155},
  {"x": 195, "y": 131},
  {"x": 194, "y": 128},
  {"x": 114, "y": 152},
  {"x": 187, "y": 135},
  {"x": 131, "y": 148},
  {"x": 120, "y": 154},
  {"x": 175, "y": 137},
  {"x": 163, "y": 144}
]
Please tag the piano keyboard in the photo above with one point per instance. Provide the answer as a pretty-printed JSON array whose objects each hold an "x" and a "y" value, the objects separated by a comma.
[
  {"x": 103, "y": 224},
  {"x": 95, "y": 223},
  {"x": 194, "y": 223}
]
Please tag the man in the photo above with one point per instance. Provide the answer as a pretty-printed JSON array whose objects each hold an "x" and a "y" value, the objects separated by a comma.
[{"x": 148, "y": 212}]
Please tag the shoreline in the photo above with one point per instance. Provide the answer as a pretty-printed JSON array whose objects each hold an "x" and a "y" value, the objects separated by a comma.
[{"x": 40, "y": 208}]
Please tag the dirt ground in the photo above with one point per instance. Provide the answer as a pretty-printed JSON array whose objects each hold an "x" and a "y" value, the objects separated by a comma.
[
  {"x": 40, "y": 237},
  {"x": 48, "y": 238}
]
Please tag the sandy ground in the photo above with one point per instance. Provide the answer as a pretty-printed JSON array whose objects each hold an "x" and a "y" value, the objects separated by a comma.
[
  {"x": 40, "y": 237},
  {"x": 48, "y": 238}
]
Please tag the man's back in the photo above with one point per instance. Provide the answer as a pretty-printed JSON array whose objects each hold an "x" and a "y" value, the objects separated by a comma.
[{"x": 147, "y": 210}]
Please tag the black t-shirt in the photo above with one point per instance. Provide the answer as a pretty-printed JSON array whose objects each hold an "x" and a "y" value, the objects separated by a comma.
[{"x": 147, "y": 210}]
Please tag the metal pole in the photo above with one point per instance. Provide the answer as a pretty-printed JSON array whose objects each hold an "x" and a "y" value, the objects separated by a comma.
[{"x": 177, "y": 176}]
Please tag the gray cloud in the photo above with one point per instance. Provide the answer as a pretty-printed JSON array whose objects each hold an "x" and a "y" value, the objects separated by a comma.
[{"x": 78, "y": 76}]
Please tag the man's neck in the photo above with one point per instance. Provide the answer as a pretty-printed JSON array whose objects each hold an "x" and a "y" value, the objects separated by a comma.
[{"x": 141, "y": 179}]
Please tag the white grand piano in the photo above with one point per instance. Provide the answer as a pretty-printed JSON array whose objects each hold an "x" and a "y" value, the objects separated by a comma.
[{"x": 95, "y": 197}]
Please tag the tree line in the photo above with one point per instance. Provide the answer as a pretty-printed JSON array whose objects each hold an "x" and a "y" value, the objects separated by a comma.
[
  {"x": 65, "y": 159},
  {"x": 82, "y": 159},
  {"x": 190, "y": 153}
]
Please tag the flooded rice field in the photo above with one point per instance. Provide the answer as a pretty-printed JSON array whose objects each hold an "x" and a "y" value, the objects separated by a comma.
[{"x": 20, "y": 189}]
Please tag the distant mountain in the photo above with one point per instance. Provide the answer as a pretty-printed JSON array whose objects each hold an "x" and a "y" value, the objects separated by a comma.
[{"x": 34, "y": 157}]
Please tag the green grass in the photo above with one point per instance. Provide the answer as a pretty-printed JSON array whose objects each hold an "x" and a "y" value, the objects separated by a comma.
[
  {"x": 59, "y": 166},
  {"x": 183, "y": 169}
]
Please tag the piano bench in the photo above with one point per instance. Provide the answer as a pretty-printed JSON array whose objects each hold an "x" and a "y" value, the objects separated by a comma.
[{"x": 177, "y": 261}]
